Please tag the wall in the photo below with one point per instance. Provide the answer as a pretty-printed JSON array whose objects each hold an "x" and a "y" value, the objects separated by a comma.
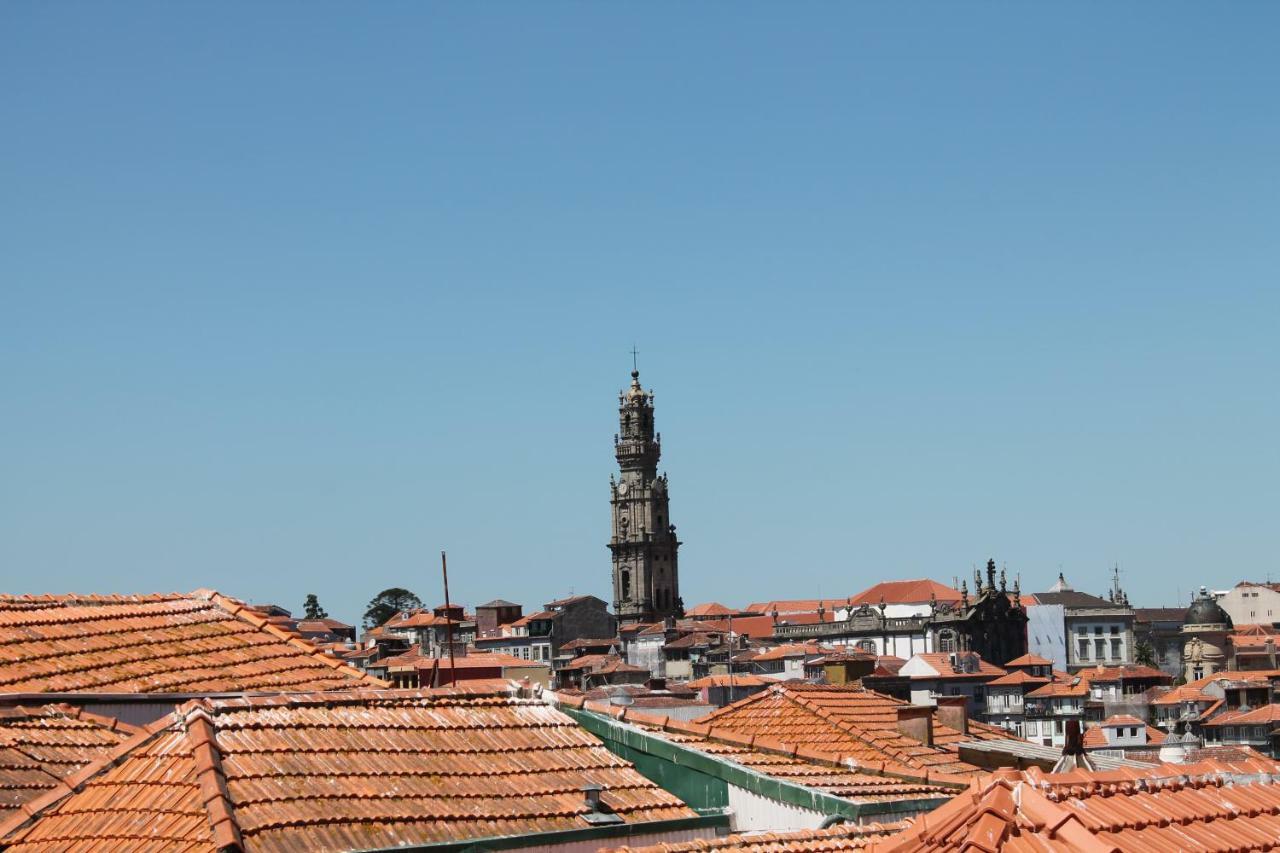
[
  {"x": 1097, "y": 627},
  {"x": 1251, "y": 605},
  {"x": 1046, "y": 633},
  {"x": 583, "y": 619}
]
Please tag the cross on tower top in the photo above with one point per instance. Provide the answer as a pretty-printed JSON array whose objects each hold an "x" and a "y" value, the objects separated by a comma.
[{"x": 634, "y": 352}]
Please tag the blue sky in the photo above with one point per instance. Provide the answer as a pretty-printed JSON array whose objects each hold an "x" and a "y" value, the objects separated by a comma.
[{"x": 294, "y": 295}]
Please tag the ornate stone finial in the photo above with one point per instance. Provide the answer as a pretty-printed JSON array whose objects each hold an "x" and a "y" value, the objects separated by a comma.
[
  {"x": 1017, "y": 592},
  {"x": 964, "y": 593},
  {"x": 991, "y": 574},
  {"x": 1003, "y": 588}
]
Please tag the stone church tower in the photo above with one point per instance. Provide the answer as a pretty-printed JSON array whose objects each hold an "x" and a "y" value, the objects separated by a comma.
[{"x": 646, "y": 577}]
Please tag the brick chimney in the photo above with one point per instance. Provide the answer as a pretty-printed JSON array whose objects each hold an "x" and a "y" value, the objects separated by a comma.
[
  {"x": 916, "y": 722},
  {"x": 952, "y": 712}
]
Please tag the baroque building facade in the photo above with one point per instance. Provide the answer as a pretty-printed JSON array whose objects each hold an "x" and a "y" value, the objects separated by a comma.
[{"x": 646, "y": 575}]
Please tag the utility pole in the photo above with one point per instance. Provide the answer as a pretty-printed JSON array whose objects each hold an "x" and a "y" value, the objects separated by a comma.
[{"x": 448, "y": 609}]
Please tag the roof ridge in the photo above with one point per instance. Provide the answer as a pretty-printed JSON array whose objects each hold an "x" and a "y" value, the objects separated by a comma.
[
  {"x": 211, "y": 779},
  {"x": 28, "y": 812},
  {"x": 244, "y": 613}
]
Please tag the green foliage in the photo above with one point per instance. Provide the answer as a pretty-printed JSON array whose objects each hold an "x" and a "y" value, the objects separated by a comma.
[
  {"x": 1144, "y": 654},
  {"x": 388, "y": 603},
  {"x": 312, "y": 609}
]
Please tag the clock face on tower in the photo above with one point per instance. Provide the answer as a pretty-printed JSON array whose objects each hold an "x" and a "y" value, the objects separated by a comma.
[{"x": 622, "y": 488}]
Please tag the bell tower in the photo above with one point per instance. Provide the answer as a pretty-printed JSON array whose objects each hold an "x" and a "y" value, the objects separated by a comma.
[{"x": 646, "y": 578}]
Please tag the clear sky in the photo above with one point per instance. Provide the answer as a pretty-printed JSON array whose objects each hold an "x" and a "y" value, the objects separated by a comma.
[{"x": 294, "y": 295}]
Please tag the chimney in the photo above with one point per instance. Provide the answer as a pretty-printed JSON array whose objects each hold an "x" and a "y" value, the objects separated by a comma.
[
  {"x": 952, "y": 713},
  {"x": 916, "y": 722},
  {"x": 592, "y": 795}
]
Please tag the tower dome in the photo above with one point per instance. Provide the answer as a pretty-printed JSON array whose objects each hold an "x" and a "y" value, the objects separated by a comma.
[{"x": 1205, "y": 611}]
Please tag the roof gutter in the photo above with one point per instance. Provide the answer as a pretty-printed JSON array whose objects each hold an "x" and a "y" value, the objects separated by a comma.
[{"x": 717, "y": 823}]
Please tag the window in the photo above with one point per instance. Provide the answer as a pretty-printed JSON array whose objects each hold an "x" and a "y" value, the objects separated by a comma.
[
  {"x": 1097, "y": 629},
  {"x": 1231, "y": 731},
  {"x": 1115, "y": 629},
  {"x": 1083, "y": 649},
  {"x": 1100, "y": 649},
  {"x": 1115, "y": 650}
]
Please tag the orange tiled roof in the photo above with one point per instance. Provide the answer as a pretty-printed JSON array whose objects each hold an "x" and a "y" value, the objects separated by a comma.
[
  {"x": 851, "y": 721},
  {"x": 739, "y": 679},
  {"x": 1096, "y": 738},
  {"x": 916, "y": 591},
  {"x": 1029, "y": 660},
  {"x": 1208, "y": 806},
  {"x": 39, "y": 747},
  {"x": 1264, "y": 715},
  {"x": 200, "y": 642},
  {"x": 1061, "y": 688},
  {"x": 941, "y": 661},
  {"x": 1118, "y": 673},
  {"x": 1186, "y": 693},
  {"x": 840, "y": 775},
  {"x": 478, "y": 660},
  {"x": 589, "y": 642},
  {"x": 790, "y": 650},
  {"x": 842, "y": 836},
  {"x": 711, "y": 608},
  {"x": 1018, "y": 676},
  {"x": 795, "y": 606},
  {"x": 340, "y": 771},
  {"x": 321, "y": 625},
  {"x": 1252, "y": 677}
]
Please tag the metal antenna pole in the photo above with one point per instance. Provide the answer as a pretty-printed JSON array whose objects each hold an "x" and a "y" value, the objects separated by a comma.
[
  {"x": 731, "y": 645},
  {"x": 448, "y": 609}
]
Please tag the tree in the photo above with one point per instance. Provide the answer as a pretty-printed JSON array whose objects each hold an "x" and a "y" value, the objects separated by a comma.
[
  {"x": 1144, "y": 654},
  {"x": 388, "y": 603},
  {"x": 311, "y": 607}
]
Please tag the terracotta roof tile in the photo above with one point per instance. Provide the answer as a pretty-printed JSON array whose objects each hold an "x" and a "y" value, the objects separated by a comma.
[
  {"x": 1061, "y": 688},
  {"x": 342, "y": 771},
  {"x": 1264, "y": 715},
  {"x": 916, "y": 591},
  {"x": 1018, "y": 676},
  {"x": 1186, "y": 693},
  {"x": 711, "y": 608},
  {"x": 1029, "y": 660},
  {"x": 797, "y": 606},
  {"x": 40, "y": 747},
  {"x": 791, "y": 650},
  {"x": 836, "y": 774},
  {"x": 738, "y": 679},
  {"x": 971, "y": 665},
  {"x": 1120, "y": 673},
  {"x": 201, "y": 642},
  {"x": 1208, "y": 806},
  {"x": 849, "y": 836},
  {"x": 849, "y": 721}
]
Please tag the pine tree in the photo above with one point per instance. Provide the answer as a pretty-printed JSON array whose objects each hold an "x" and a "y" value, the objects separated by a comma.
[{"x": 311, "y": 607}]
